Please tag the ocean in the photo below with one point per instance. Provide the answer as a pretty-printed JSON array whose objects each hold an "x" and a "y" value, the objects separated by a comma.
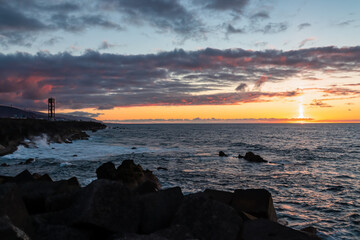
[{"x": 313, "y": 171}]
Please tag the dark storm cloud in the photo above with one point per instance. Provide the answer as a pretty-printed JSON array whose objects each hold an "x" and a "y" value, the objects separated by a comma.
[
  {"x": 165, "y": 15},
  {"x": 84, "y": 114},
  {"x": 177, "y": 77},
  {"x": 22, "y": 21}
]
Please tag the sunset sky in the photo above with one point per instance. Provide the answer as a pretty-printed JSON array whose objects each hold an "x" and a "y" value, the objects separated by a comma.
[{"x": 138, "y": 61}]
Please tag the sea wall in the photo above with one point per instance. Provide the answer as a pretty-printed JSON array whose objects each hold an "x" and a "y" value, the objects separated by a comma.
[
  {"x": 13, "y": 132},
  {"x": 127, "y": 202}
]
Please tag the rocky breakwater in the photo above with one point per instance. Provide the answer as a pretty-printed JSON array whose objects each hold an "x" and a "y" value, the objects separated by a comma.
[
  {"x": 13, "y": 132},
  {"x": 127, "y": 202}
]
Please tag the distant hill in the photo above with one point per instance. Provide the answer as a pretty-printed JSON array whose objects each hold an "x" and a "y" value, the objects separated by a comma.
[{"x": 11, "y": 112}]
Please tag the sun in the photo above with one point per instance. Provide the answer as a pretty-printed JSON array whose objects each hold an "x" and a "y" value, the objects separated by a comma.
[{"x": 301, "y": 111}]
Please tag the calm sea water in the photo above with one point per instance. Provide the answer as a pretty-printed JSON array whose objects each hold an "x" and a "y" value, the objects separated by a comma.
[{"x": 313, "y": 171}]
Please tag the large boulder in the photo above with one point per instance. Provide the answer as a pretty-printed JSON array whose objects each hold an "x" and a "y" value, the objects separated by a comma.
[
  {"x": 262, "y": 229},
  {"x": 256, "y": 202},
  {"x": 44, "y": 196},
  {"x": 106, "y": 171},
  {"x": 11, "y": 205},
  {"x": 108, "y": 205},
  {"x": 159, "y": 208},
  {"x": 250, "y": 156},
  {"x": 208, "y": 219},
  {"x": 10, "y": 232}
]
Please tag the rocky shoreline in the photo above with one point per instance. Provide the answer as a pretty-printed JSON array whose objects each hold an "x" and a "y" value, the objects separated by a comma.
[
  {"x": 127, "y": 202},
  {"x": 14, "y": 132}
]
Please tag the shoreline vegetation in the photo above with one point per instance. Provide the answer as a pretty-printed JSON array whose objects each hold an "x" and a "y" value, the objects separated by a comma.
[
  {"x": 15, "y": 132},
  {"x": 127, "y": 202}
]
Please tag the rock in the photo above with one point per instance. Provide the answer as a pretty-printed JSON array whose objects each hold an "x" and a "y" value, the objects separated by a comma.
[
  {"x": 130, "y": 173},
  {"x": 311, "y": 231},
  {"x": 43, "y": 196},
  {"x": 133, "y": 148},
  {"x": 208, "y": 219},
  {"x": 30, "y": 160},
  {"x": 147, "y": 187},
  {"x": 159, "y": 209},
  {"x": 45, "y": 178},
  {"x": 13, "y": 206},
  {"x": 263, "y": 229},
  {"x": 240, "y": 156},
  {"x": 75, "y": 155},
  {"x": 222, "y": 154},
  {"x": 256, "y": 202},
  {"x": 106, "y": 171},
  {"x": 79, "y": 136},
  {"x": 4, "y": 165},
  {"x": 250, "y": 156},
  {"x": 24, "y": 176},
  {"x": 108, "y": 205},
  {"x": 10, "y": 232},
  {"x": 221, "y": 196},
  {"x": 162, "y": 168}
]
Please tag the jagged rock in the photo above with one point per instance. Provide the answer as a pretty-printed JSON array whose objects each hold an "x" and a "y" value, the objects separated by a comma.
[
  {"x": 263, "y": 229},
  {"x": 222, "y": 154},
  {"x": 207, "y": 218},
  {"x": 43, "y": 196},
  {"x": 162, "y": 168},
  {"x": 4, "y": 165},
  {"x": 10, "y": 232},
  {"x": 106, "y": 204},
  {"x": 24, "y": 176},
  {"x": 30, "y": 160},
  {"x": 12, "y": 205},
  {"x": 250, "y": 156},
  {"x": 106, "y": 171},
  {"x": 147, "y": 187},
  {"x": 256, "y": 202},
  {"x": 79, "y": 136},
  {"x": 311, "y": 232},
  {"x": 159, "y": 208},
  {"x": 222, "y": 196}
]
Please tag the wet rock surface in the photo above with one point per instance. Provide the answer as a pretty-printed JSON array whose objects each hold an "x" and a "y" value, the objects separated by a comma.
[{"x": 128, "y": 203}]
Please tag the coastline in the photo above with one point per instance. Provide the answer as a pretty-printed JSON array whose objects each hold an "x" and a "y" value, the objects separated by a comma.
[{"x": 14, "y": 132}]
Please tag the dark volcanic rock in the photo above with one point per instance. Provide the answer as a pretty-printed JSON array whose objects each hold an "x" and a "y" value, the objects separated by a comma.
[
  {"x": 44, "y": 196},
  {"x": 262, "y": 229},
  {"x": 106, "y": 171},
  {"x": 222, "y": 154},
  {"x": 106, "y": 204},
  {"x": 250, "y": 156},
  {"x": 207, "y": 218},
  {"x": 159, "y": 208},
  {"x": 10, "y": 232},
  {"x": 256, "y": 202},
  {"x": 12, "y": 205},
  {"x": 30, "y": 160},
  {"x": 24, "y": 176}
]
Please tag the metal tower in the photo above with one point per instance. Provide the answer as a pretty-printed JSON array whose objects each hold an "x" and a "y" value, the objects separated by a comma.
[{"x": 51, "y": 108}]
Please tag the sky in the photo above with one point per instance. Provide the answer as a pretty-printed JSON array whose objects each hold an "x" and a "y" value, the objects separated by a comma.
[{"x": 162, "y": 61}]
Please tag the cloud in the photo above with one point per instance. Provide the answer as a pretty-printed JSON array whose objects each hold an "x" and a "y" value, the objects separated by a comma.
[
  {"x": 260, "y": 16},
  {"x": 260, "y": 82},
  {"x": 178, "y": 77},
  {"x": 272, "y": 28},
  {"x": 106, "y": 45},
  {"x": 305, "y": 41},
  {"x": 165, "y": 15},
  {"x": 345, "y": 23},
  {"x": 226, "y": 5},
  {"x": 211, "y": 120},
  {"x": 319, "y": 103},
  {"x": 84, "y": 114},
  {"x": 242, "y": 87},
  {"x": 232, "y": 30},
  {"x": 303, "y": 26}
]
